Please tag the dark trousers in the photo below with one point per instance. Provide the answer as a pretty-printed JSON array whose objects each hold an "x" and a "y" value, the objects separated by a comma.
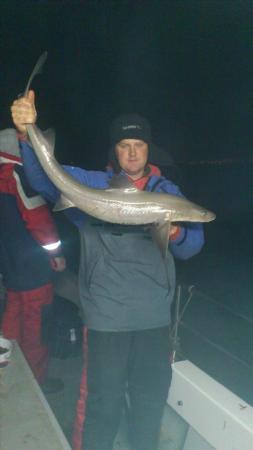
[{"x": 138, "y": 362}]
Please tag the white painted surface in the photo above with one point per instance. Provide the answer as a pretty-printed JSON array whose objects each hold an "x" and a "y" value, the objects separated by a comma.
[
  {"x": 218, "y": 415},
  {"x": 195, "y": 441},
  {"x": 26, "y": 420}
]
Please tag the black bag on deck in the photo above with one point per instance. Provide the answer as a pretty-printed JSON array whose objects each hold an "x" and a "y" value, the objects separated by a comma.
[{"x": 62, "y": 328}]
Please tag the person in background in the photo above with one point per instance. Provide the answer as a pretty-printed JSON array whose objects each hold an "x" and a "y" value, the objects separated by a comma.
[
  {"x": 126, "y": 290},
  {"x": 30, "y": 250}
]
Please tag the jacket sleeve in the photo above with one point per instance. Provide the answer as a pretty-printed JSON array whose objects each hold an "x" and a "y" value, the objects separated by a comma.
[
  {"x": 36, "y": 175},
  {"x": 40, "y": 182},
  {"x": 190, "y": 240},
  {"x": 36, "y": 214}
]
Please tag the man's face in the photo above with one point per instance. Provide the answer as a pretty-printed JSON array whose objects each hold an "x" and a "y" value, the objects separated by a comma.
[{"x": 132, "y": 155}]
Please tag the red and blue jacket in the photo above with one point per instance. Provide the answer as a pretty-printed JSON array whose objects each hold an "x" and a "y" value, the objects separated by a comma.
[{"x": 28, "y": 236}]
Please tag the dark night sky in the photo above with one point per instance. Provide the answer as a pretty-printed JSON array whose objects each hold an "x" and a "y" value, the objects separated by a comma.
[{"x": 186, "y": 65}]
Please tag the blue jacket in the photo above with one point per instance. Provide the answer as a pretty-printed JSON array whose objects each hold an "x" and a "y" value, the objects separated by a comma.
[{"x": 124, "y": 282}]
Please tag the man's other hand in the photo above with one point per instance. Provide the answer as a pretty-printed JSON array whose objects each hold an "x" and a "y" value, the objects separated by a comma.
[{"x": 58, "y": 263}]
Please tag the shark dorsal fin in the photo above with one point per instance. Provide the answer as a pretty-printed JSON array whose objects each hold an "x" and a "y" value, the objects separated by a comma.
[
  {"x": 49, "y": 136},
  {"x": 121, "y": 182}
]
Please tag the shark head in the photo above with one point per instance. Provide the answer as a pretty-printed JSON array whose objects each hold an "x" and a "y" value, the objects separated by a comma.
[{"x": 199, "y": 214}]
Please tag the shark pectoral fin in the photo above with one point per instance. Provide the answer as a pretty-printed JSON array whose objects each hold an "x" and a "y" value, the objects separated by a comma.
[
  {"x": 63, "y": 203},
  {"x": 160, "y": 234}
]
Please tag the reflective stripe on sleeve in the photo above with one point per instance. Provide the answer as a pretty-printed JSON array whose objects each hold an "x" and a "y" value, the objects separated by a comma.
[{"x": 52, "y": 246}]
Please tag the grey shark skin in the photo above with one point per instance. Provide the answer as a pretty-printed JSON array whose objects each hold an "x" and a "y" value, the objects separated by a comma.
[{"x": 122, "y": 205}]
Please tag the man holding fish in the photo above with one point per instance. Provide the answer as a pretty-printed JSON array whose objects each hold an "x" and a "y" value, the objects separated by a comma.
[{"x": 126, "y": 278}]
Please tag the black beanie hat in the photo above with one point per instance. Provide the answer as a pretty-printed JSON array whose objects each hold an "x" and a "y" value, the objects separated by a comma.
[{"x": 130, "y": 126}]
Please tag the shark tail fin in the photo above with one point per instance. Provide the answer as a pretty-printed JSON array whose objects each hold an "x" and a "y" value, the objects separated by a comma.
[{"x": 36, "y": 71}]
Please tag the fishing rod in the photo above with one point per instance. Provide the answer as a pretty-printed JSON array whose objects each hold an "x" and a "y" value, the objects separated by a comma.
[{"x": 178, "y": 318}]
